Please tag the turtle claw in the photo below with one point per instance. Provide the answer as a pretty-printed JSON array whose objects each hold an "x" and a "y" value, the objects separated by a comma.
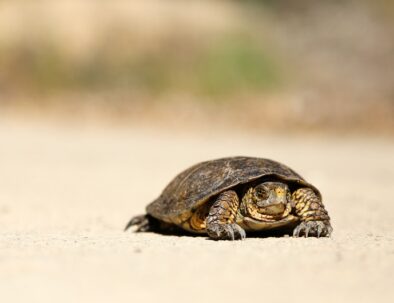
[
  {"x": 227, "y": 232},
  {"x": 240, "y": 232},
  {"x": 306, "y": 232},
  {"x": 142, "y": 223},
  {"x": 313, "y": 228},
  {"x": 319, "y": 230}
]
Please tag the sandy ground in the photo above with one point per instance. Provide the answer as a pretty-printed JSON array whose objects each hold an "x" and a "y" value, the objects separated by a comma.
[{"x": 67, "y": 192}]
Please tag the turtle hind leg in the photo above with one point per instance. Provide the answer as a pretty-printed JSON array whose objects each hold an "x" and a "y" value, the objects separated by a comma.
[
  {"x": 220, "y": 221},
  {"x": 143, "y": 222},
  {"x": 147, "y": 223}
]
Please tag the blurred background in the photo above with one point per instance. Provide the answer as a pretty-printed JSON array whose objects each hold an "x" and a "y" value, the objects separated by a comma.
[
  {"x": 102, "y": 103},
  {"x": 271, "y": 66}
]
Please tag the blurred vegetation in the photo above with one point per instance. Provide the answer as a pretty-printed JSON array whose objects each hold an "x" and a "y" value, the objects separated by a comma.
[
  {"x": 227, "y": 65},
  {"x": 332, "y": 59},
  {"x": 237, "y": 65},
  {"x": 231, "y": 60}
]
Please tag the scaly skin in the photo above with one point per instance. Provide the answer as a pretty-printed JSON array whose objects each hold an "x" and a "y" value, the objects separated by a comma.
[
  {"x": 310, "y": 209},
  {"x": 220, "y": 221}
]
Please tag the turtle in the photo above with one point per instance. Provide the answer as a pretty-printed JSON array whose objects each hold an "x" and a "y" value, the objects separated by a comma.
[{"x": 228, "y": 197}]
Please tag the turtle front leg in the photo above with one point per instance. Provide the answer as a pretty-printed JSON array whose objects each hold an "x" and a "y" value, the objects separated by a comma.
[
  {"x": 221, "y": 218},
  {"x": 314, "y": 218}
]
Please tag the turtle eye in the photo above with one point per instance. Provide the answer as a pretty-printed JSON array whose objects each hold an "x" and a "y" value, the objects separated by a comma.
[{"x": 261, "y": 193}]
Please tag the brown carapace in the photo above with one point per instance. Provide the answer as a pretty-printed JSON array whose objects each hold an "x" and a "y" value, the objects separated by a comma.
[{"x": 230, "y": 197}]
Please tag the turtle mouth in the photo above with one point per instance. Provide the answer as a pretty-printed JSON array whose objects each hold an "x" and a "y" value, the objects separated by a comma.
[
  {"x": 256, "y": 222},
  {"x": 273, "y": 209}
]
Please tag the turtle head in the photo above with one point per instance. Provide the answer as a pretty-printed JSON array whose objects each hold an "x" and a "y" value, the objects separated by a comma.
[{"x": 267, "y": 199}]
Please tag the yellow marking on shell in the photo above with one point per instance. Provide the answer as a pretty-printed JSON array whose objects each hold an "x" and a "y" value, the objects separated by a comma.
[
  {"x": 186, "y": 225},
  {"x": 197, "y": 220},
  {"x": 176, "y": 220},
  {"x": 179, "y": 220},
  {"x": 185, "y": 216}
]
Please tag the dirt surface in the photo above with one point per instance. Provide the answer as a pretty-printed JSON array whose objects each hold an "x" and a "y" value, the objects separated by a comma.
[{"x": 66, "y": 193}]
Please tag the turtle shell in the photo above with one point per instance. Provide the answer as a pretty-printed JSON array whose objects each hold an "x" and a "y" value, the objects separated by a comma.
[{"x": 199, "y": 183}]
